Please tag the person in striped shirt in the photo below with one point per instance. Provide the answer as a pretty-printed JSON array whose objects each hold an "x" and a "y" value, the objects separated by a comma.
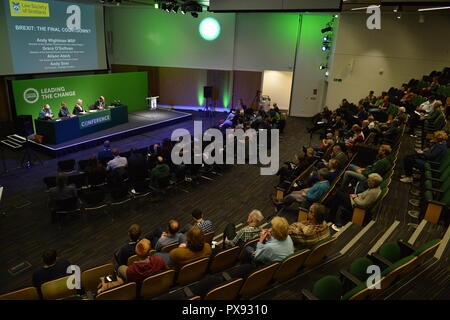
[{"x": 205, "y": 225}]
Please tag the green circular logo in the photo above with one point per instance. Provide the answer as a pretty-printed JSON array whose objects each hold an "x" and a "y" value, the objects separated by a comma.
[
  {"x": 31, "y": 95},
  {"x": 209, "y": 29}
]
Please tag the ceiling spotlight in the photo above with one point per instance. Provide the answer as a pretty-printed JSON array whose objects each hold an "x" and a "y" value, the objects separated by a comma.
[
  {"x": 326, "y": 38},
  {"x": 156, "y": 5},
  {"x": 323, "y": 66},
  {"x": 325, "y": 47},
  {"x": 327, "y": 29}
]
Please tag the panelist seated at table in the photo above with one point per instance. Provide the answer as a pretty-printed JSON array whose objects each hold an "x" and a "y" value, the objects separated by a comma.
[
  {"x": 78, "y": 107},
  {"x": 100, "y": 104},
  {"x": 46, "y": 113},
  {"x": 64, "y": 111}
]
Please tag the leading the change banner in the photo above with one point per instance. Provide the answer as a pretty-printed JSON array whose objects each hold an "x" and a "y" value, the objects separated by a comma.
[{"x": 51, "y": 36}]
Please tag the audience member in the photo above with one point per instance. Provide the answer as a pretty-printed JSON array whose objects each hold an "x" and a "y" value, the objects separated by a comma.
[
  {"x": 345, "y": 202},
  {"x": 161, "y": 238},
  {"x": 144, "y": 267},
  {"x": 245, "y": 234},
  {"x": 434, "y": 154},
  {"x": 52, "y": 269},
  {"x": 106, "y": 153},
  {"x": 273, "y": 245},
  {"x": 194, "y": 248},
  {"x": 128, "y": 250},
  {"x": 312, "y": 194},
  {"x": 117, "y": 162},
  {"x": 307, "y": 233},
  {"x": 380, "y": 166}
]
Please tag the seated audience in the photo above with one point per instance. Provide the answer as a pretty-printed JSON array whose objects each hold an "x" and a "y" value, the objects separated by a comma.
[
  {"x": 52, "y": 269},
  {"x": 117, "y": 162},
  {"x": 338, "y": 155},
  {"x": 128, "y": 250},
  {"x": 273, "y": 245},
  {"x": 160, "y": 172},
  {"x": 194, "y": 249},
  {"x": 307, "y": 233},
  {"x": 417, "y": 160},
  {"x": 144, "y": 267},
  {"x": 293, "y": 169},
  {"x": 245, "y": 234},
  {"x": 380, "y": 166},
  {"x": 161, "y": 238},
  {"x": 346, "y": 202},
  {"x": 312, "y": 194},
  {"x": 106, "y": 153},
  {"x": 205, "y": 225},
  {"x": 357, "y": 137}
]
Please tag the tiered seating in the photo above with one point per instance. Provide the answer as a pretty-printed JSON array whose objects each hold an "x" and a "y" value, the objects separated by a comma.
[
  {"x": 396, "y": 261},
  {"x": 435, "y": 183}
]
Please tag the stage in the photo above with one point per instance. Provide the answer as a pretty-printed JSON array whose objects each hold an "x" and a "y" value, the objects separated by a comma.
[{"x": 138, "y": 122}]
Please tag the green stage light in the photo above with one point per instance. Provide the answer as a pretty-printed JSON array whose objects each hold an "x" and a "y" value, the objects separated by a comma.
[{"x": 209, "y": 29}]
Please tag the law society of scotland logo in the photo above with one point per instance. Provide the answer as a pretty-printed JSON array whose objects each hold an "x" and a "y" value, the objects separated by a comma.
[
  {"x": 16, "y": 7},
  {"x": 31, "y": 95}
]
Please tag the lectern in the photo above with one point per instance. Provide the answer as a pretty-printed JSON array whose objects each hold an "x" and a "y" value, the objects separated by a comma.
[{"x": 152, "y": 102}]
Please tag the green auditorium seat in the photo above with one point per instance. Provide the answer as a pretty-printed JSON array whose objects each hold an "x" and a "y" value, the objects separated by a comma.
[
  {"x": 423, "y": 253},
  {"x": 327, "y": 288},
  {"x": 358, "y": 268},
  {"x": 390, "y": 251}
]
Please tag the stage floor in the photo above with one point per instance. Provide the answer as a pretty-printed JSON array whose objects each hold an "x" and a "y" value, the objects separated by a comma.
[{"x": 138, "y": 122}]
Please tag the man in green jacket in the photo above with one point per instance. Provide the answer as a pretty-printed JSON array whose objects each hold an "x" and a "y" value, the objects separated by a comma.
[
  {"x": 160, "y": 171},
  {"x": 381, "y": 166}
]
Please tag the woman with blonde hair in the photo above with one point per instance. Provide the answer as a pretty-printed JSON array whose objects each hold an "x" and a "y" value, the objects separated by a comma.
[
  {"x": 273, "y": 245},
  {"x": 434, "y": 154}
]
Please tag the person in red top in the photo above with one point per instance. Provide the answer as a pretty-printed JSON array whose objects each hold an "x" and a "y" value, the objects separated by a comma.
[{"x": 145, "y": 266}]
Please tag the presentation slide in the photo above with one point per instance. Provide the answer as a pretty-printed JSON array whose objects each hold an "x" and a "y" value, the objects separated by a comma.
[{"x": 54, "y": 36}]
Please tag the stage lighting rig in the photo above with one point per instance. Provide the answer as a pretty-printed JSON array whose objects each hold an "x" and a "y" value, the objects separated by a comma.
[{"x": 182, "y": 6}]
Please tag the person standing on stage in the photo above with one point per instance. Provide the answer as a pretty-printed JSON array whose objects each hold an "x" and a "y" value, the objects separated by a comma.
[
  {"x": 46, "y": 113},
  {"x": 63, "y": 111},
  {"x": 78, "y": 107},
  {"x": 100, "y": 104}
]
